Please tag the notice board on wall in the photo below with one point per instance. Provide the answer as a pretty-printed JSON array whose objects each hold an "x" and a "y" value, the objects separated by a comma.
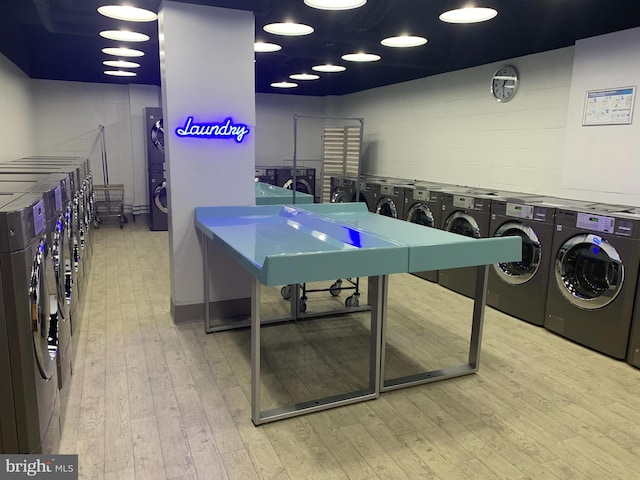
[{"x": 609, "y": 107}]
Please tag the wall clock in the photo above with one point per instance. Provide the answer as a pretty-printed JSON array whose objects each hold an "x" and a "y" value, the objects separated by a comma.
[{"x": 504, "y": 83}]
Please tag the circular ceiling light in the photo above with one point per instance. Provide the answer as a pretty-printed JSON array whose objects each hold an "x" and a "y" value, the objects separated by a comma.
[
  {"x": 120, "y": 64},
  {"x": 124, "y": 12},
  {"x": 361, "y": 57},
  {"x": 123, "y": 52},
  {"x": 266, "y": 47},
  {"x": 284, "y": 85},
  {"x": 304, "y": 76},
  {"x": 335, "y": 4},
  {"x": 120, "y": 73},
  {"x": 468, "y": 15},
  {"x": 288, "y": 28},
  {"x": 124, "y": 36},
  {"x": 328, "y": 68},
  {"x": 404, "y": 41}
]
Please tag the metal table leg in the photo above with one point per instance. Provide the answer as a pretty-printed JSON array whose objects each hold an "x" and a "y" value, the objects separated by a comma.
[
  {"x": 378, "y": 290},
  {"x": 474, "y": 345}
]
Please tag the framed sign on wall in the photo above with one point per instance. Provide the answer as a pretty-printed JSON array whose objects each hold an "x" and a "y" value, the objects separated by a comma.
[{"x": 609, "y": 107}]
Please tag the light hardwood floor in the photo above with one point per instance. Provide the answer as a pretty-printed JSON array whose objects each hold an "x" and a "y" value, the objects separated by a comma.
[{"x": 151, "y": 400}]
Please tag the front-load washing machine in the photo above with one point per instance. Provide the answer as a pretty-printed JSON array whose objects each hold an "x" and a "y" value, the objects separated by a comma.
[
  {"x": 422, "y": 205},
  {"x": 465, "y": 214},
  {"x": 265, "y": 175},
  {"x": 593, "y": 281},
  {"x": 158, "y": 202},
  {"x": 339, "y": 193},
  {"x": 29, "y": 417},
  {"x": 389, "y": 199},
  {"x": 305, "y": 179}
]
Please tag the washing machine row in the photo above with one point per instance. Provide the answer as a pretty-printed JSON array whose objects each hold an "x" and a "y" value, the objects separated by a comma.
[{"x": 283, "y": 177}]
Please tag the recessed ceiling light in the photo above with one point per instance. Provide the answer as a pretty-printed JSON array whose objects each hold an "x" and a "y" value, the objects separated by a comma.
[
  {"x": 266, "y": 47},
  {"x": 335, "y": 4},
  {"x": 288, "y": 28},
  {"x": 120, "y": 64},
  {"x": 304, "y": 76},
  {"x": 468, "y": 15},
  {"x": 120, "y": 73},
  {"x": 124, "y": 36},
  {"x": 123, "y": 52},
  {"x": 124, "y": 12},
  {"x": 361, "y": 57},
  {"x": 328, "y": 68},
  {"x": 284, "y": 85},
  {"x": 404, "y": 41}
]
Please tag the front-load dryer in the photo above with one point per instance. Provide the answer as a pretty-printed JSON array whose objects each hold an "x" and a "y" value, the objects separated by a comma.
[
  {"x": 389, "y": 199},
  {"x": 29, "y": 417},
  {"x": 422, "y": 205},
  {"x": 593, "y": 281},
  {"x": 305, "y": 179},
  {"x": 158, "y": 202},
  {"x": 469, "y": 215},
  {"x": 154, "y": 138},
  {"x": 363, "y": 192},
  {"x": 265, "y": 175}
]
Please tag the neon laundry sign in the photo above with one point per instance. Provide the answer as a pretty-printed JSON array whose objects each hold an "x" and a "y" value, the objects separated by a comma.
[{"x": 225, "y": 129}]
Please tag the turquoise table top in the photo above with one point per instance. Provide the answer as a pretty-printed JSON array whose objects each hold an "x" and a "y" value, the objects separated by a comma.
[
  {"x": 283, "y": 245},
  {"x": 271, "y": 195}
]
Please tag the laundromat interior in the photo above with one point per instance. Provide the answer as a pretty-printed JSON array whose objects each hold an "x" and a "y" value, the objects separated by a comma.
[{"x": 391, "y": 242}]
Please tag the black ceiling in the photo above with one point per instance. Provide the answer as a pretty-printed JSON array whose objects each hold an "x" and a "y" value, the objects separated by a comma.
[{"x": 58, "y": 39}]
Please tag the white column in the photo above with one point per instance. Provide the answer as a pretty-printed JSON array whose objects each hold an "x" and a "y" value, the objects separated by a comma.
[{"x": 207, "y": 72}]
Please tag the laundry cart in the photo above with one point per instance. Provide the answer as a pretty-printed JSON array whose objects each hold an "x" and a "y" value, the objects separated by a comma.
[{"x": 109, "y": 202}]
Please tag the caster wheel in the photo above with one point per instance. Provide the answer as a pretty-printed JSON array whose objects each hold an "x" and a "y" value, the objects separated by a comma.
[
  {"x": 303, "y": 306},
  {"x": 286, "y": 292},
  {"x": 351, "y": 301},
  {"x": 335, "y": 289}
]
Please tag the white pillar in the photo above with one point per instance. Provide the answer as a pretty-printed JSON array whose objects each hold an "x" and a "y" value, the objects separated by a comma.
[{"x": 207, "y": 72}]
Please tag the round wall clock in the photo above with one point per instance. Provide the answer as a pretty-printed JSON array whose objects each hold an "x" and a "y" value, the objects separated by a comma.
[{"x": 504, "y": 83}]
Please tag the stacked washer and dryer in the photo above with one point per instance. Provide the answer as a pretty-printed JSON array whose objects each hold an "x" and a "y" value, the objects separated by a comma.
[{"x": 154, "y": 147}]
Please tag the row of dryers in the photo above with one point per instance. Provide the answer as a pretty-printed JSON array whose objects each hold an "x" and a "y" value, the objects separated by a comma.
[
  {"x": 579, "y": 270},
  {"x": 46, "y": 213},
  {"x": 283, "y": 177}
]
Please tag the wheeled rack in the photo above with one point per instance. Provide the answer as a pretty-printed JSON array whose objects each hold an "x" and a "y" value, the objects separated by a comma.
[{"x": 109, "y": 202}]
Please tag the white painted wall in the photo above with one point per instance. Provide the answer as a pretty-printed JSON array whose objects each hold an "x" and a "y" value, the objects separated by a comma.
[
  {"x": 17, "y": 133},
  {"x": 603, "y": 160},
  {"x": 206, "y": 172},
  {"x": 448, "y": 128}
]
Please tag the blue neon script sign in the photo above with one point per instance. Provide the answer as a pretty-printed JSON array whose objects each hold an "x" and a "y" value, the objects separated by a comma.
[{"x": 224, "y": 129}]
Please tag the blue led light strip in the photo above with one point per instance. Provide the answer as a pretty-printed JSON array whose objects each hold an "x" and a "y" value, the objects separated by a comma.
[{"x": 225, "y": 129}]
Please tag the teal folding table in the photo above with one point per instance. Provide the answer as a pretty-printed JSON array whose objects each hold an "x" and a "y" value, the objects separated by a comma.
[{"x": 291, "y": 244}]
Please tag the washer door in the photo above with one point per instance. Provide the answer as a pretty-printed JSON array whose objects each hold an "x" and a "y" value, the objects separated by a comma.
[
  {"x": 517, "y": 273},
  {"x": 160, "y": 197},
  {"x": 339, "y": 196},
  {"x": 157, "y": 135},
  {"x": 302, "y": 186},
  {"x": 421, "y": 214},
  {"x": 59, "y": 255},
  {"x": 462, "y": 224},
  {"x": 387, "y": 207},
  {"x": 44, "y": 310},
  {"x": 589, "y": 271}
]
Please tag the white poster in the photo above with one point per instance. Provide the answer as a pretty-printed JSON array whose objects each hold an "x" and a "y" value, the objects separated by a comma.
[{"x": 609, "y": 107}]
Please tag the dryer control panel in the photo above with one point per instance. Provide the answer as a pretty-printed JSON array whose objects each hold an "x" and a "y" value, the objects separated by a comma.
[{"x": 596, "y": 223}]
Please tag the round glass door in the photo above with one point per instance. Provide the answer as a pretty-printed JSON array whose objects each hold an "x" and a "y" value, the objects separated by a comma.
[
  {"x": 421, "y": 214},
  {"x": 517, "y": 273},
  {"x": 157, "y": 135},
  {"x": 44, "y": 309},
  {"x": 387, "y": 208},
  {"x": 301, "y": 185},
  {"x": 462, "y": 224},
  {"x": 339, "y": 196},
  {"x": 160, "y": 197},
  {"x": 589, "y": 271}
]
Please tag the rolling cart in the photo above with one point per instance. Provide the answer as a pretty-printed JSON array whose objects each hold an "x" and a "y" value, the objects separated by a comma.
[{"x": 109, "y": 202}]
